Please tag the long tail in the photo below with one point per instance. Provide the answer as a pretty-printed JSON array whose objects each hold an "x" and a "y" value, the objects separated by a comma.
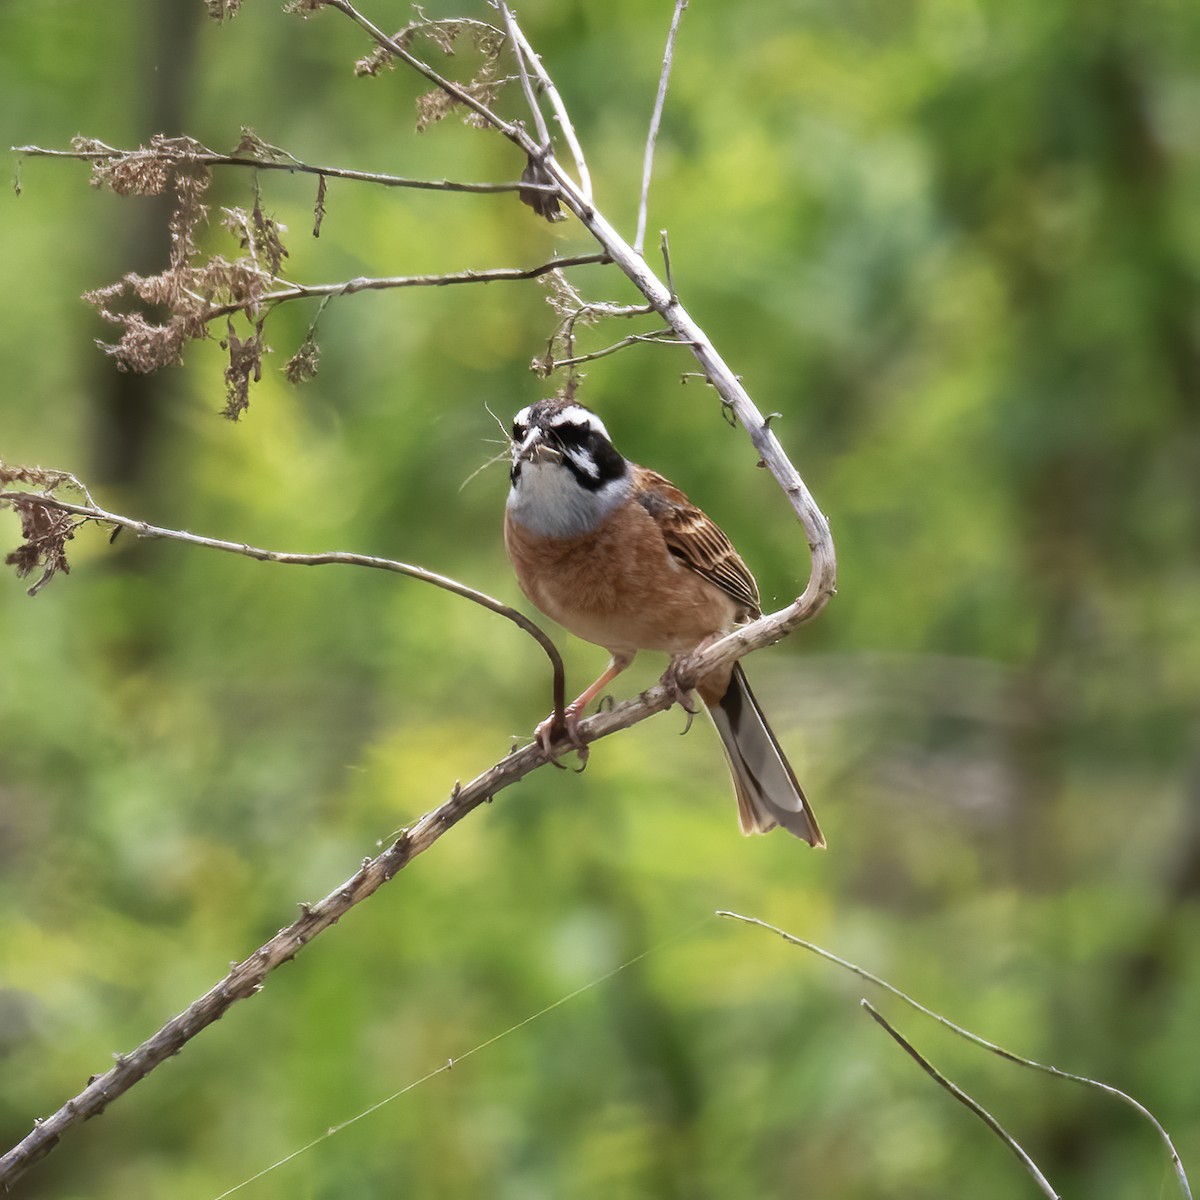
[{"x": 767, "y": 791}]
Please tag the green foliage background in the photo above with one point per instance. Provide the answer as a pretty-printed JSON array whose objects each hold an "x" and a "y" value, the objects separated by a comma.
[{"x": 956, "y": 244}]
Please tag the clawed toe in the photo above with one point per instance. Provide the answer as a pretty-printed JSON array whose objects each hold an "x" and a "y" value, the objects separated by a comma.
[
  {"x": 551, "y": 730},
  {"x": 679, "y": 694}
]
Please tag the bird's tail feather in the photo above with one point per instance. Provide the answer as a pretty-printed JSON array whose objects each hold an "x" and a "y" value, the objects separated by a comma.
[{"x": 767, "y": 791}]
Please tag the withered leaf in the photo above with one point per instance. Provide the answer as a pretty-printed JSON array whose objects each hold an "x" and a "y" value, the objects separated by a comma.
[{"x": 545, "y": 204}]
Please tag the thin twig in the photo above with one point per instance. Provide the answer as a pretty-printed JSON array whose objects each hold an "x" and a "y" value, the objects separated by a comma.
[
  {"x": 302, "y": 291},
  {"x": 661, "y": 336},
  {"x": 209, "y": 158},
  {"x": 93, "y": 512},
  {"x": 514, "y": 132},
  {"x": 655, "y": 121},
  {"x": 962, "y": 1097},
  {"x": 1045, "y": 1068},
  {"x": 556, "y": 102},
  {"x": 535, "y": 108}
]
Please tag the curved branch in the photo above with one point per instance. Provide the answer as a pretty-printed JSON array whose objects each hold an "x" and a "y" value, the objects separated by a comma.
[
  {"x": 983, "y": 1043},
  {"x": 93, "y": 512}
]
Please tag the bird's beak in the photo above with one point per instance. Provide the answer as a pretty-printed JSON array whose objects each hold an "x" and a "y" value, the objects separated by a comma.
[{"x": 536, "y": 450}]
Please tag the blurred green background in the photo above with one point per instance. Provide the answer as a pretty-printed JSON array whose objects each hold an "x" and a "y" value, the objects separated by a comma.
[{"x": 956, "y": 244}]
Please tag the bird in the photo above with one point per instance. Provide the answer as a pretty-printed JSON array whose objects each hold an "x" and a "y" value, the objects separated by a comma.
[{"x": 618, "y": 555}]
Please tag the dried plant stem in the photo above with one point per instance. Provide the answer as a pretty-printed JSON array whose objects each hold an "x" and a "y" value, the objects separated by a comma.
[
  {"x": 964, "y": 1099},
  {"x": 303, "y": 291},
  {"x": 659, "y": 337},
  {"x": 514, "y": 132},
  {"x": 291, "y": 165},
  {"x": 639, "y": 240},
  {"x": 1000, "y": 1051}
]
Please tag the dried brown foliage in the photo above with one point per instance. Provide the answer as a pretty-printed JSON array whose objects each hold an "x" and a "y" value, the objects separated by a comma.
[
  {"x": 302, "y": 366},
  {"x": 483, "y": 86},
  {"x": 245, "y": 364},
  {"x": 545, "y": 204},
  {"x": 45, "y": 530},
  {"x": 159, "y": 314},
  {"x": 319, "y": 206}
]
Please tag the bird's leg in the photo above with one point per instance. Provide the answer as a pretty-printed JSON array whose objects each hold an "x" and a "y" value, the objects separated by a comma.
[
  {"x": 548, "y": 731},
  {"x": 671, "y": 677}
]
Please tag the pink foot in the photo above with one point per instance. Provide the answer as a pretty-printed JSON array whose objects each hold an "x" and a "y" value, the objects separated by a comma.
[{"x": 551, "y": 731}]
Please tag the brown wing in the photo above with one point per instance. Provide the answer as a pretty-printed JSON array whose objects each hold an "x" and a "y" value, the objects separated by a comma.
[{"x": 696, "y": 540}]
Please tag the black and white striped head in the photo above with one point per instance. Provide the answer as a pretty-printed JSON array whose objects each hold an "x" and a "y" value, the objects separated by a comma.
[{"x": 566, "y": 474}]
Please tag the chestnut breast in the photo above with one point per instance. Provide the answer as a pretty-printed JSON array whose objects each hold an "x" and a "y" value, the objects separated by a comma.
[{"x": 618, "y": 585}]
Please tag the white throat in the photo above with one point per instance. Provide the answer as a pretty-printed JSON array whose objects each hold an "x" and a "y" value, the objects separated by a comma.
[{"x": 548, "y": 500}]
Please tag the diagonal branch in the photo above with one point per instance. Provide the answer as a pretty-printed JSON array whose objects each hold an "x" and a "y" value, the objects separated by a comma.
[
  {"x": 963, "y": 1099},
  {"x": 247, "y": 977}
]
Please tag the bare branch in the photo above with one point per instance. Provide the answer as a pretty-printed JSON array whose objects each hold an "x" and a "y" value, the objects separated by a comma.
[
  {"x": 535, "y": 108},
  {"x": 655, "y": 120},
  {"x": 660, "y": 336},
  {"x": 92, "y": 512},
  {"x": 247, "y": 977},
  {"x": 303, "y": 291},
  {"x": 556, "y": 102},
  {"x": 964, "y": 1099},
  {"x": 1045, "y": 1068},
  {"x": 291, "y": 165}
]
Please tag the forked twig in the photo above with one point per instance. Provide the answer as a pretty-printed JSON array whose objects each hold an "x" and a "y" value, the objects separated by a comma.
[
  {"x": 535, "y": 108},
  {"x": 1000, "y": 1051},
  {"x": 962, "y": 1097},
  {"x": 661, "y": 337},
  {"x": 560, "y": 109}
]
